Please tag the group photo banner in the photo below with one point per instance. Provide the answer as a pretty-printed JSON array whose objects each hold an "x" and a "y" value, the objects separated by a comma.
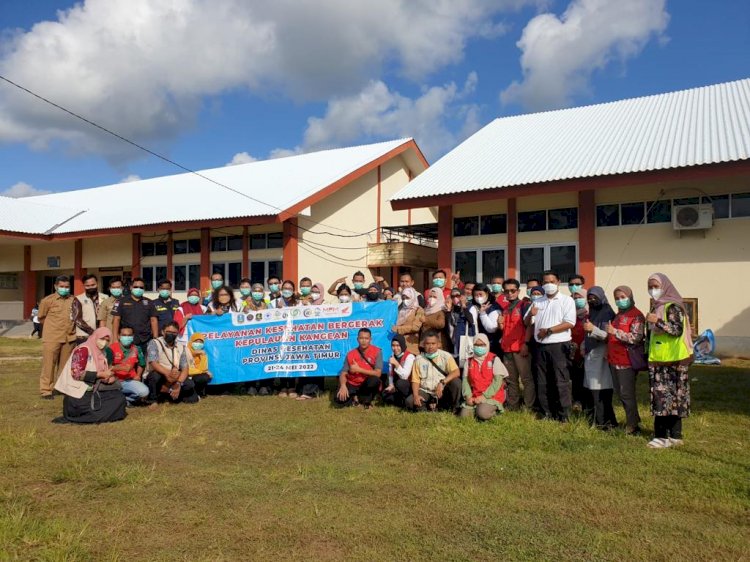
[{"x": 304, "y": 341}]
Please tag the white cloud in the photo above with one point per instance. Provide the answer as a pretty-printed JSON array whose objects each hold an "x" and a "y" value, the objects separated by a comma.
[
  {"x": 23, "y": 189},
  {"x": 377, "y": 113},
  {"x": 560, "y": 54},
  {"x": 241, "y": 158},
  {"x": 144, "y": 68},
  {"x": 131, "y": 177}
]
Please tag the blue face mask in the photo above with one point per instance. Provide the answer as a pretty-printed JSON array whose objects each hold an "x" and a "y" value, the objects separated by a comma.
[
  {"x": 536, "y": 297},
  {"x": 575, "y": 288},
  {"x": 115, "y": 292},
  {"x": 496, "y": 287},
  {"x": 580, "y": 303},
  {"x": 358, "y": 285},
  {"x": 305, "y": 291},
  {"x": 438, "y": 282},
  {"x": 273, "y": 287},
  {"x": 192, "y": 299},
  {"x": 623, "y": 304},
  {"x": 63, "y": 291},
  {"x": 164, "y": 293},
  {"x": 480, "y": 351},
  {"x": 257, "y": 296},
  {"x": 431, "y": 355},
  {"x": 287, "y": 294},
  {"x": 198, "y": 345},
  {"x": 137, "y": 292},
  {"x": 244, "y": 291},
  {"x": 216, "y": 283},
  {"x": 126, "y": 341}
]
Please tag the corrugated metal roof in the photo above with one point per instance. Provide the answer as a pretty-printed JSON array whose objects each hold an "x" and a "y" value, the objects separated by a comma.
[
  {"x": 259, "y": 188},
  {"x": 686, "y": 128},
  {"x": 27, "y": 217}
]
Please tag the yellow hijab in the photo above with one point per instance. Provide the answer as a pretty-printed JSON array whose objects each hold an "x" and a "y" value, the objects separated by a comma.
[{"x": 198, "y": 363}]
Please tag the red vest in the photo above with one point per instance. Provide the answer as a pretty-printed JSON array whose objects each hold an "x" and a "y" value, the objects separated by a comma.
[
  {"x": 354, "y": 357},
  {"x": 480, "y": 378},
  {"x": 617, "y": 351},
  {"x": 118, "y": 358},
  {"x": 577, "y": 335},
  {"x": 514, "y": 330}
]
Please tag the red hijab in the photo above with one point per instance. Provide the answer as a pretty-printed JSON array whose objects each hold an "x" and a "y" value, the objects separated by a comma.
[{"x": 194, "y": 309}]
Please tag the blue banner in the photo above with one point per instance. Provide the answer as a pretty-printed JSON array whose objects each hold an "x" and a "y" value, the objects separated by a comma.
[{"x": 304, "y": 341}]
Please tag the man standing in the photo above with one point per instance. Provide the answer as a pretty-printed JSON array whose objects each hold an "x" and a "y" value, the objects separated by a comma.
[
  {"x": 105, "y": 317},
  {"x": 164, "y": 305},
  {"x": 58, "y": 334},
  {"x": 359, "y": 379},
  {"x": 554, "y": 317},
  {"x": 217, "y": 281},
  {"x": 85, "y": 308},
  {"x": 576, "y": 283},
  {"x": 435, "y": 378},
  {"x": 274, "y": 289},
  {"x": 515, "y": 346},
  {"x": 135, "y": 311}
]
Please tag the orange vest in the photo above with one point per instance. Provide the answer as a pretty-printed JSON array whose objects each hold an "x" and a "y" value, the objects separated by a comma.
[
  {"x": 480, "y": 378},
  {"x": 514, "y": 330},
  {"x": 355, "y": 357}
]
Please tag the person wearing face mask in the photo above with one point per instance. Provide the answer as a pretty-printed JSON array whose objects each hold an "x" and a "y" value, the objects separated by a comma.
[
  {"x": 274, "y": 290},
  {"x": 577, "y": 337},
  {"x": 222, "y": 301},
  {"x": 575, "y": 283},
  {"x": 398, "y": 387},
  {"x": 670, "y": 353},
  {"x": 58, "y": 334},
  {"x": 168, "y": 368},
  {"x": 191, "y": 307},
  {"x": 488, "y": 317},
  {"x": 388, "y": 294},
  {"x": 344, "y": 294},
  {"x": 198, "y": 363},
  {"x": 85, "y": 308},
  {"x": 373, "y": 293},
  {"x": 311, "y": 387},
  {"x": 217, "y": 281},
  {"x": 406, "y": 281},
  {"x": 255, "y": 299},
  {"x": 104, "y": 316},
  {"x": 135, "y": 311},
  {"x": 625, "y": 354},
  {"x": 496, "y": 286},
  {"x": 127, "y": 364},
  {"x": 164, "y": 305},
  {"x": 553, "y": 318},
  {"x": 597, "y": 376},
  {"x": 483, "y": 384},
  {"x": 515, "y": 345},
  {"x": 469, "y": 292},
  {"x": 245, "y": 294},
  {"x": 435, "y": 378},
  {"x": 410, "y": 319},
  {"x": 461, "y": 325},
  {"x": 440, "y": 281},
  {"x": 435, "y": 318},
  {"x": 289, "y": 296},
  {"x": 530, "y": 284},
  {"x": 305, "y": 290},
  {"x": 92, "y": 392},
  {"x": 358, "y": 289}
]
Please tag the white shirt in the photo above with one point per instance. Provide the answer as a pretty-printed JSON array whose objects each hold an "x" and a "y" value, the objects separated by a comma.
[
  {"x": 402, "y": 371},
  {"x": 489, "y": 321},
  {"x": 551, "y": 312}
]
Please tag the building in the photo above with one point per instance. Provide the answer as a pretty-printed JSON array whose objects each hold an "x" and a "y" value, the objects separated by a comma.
[
  {"x": 322, "y": 214},
  {"x": 614, "y": 191}
]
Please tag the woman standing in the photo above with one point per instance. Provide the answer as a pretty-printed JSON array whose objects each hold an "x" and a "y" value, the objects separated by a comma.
[
  {"x": 596, "y": 374},
  {"x": 624, "y": 341},
  {"x": 434, "y": 317},
  {"x": 288, "y": 297},
  {"x": 191, "y": 307},
  {"x": 410, "y": 319},
  {"x": 311, "y": 387},
  {"x": 669, "y": 357},
  {"x": 222, "y": 301},
  {"x": 487, "y": 316},
  {"x": 577, "y": 336},
  {"x": 460, "y": 323}
]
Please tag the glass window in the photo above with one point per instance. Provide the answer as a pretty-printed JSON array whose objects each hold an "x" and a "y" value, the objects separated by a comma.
[
  {"x": 275, "y": 240},
  {"x": 275, "y": 269},
  {"x": 194, "y": 276},
  {"x": 494, "y": 224},
  {"x": 161, "y": 273},
  {"x": 148, "y": 278},
  {"x": 740, "y": 205},
  {"x": 686, "y": 201},
  {"x": 219, "y": 268},
  {"x": 194, "y": 246},
  {"x": 607, "y": 215},
  {"x": 632, "y": 213},
  {"x": 180, "y": 246},
  {"x": 257, "y": 241},
  {"x": 234, "y": 243},
  {"x": 562, "y": 259},
  {"x": 147, "y": 249},
  {"x": 532, "y": 221},
  {"x": 180, "y": 277},
  {"x": 560, "y": 219},
  {"x": 531, "y": 261},
  {"x": 466, "y": 226},
  {"x": 218, "y": 243},
  {"x": 493, "y": 264},
  {"x": 258, "y": 272},
  {"x": 235, "y": 274},
  {"x": 659, "y": 211},
  {"x": 466, "y": 263},
  {"x": 160, "y": 249},
  {"x": 720, "y": 203}
]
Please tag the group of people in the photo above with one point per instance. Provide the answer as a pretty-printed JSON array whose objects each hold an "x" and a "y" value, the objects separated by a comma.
[{"x": 472, "y": 349}]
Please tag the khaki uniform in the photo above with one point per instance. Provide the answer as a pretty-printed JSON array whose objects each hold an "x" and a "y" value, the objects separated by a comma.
[
  {"x": 58, "y": 338},
  {"x": 105, "y": 312}
]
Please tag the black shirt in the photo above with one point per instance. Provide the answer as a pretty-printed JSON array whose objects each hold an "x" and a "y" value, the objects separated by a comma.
[
  {"x": 164, "y": 310},
  {"x": 135, "y": 314}
]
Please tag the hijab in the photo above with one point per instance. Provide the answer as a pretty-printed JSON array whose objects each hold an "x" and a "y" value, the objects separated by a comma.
[
  {"x": 669, "y": 295},
  {"x": 194, "y": 309},
  {"x": 200, "y": 359},
  {"x": 401, "y": 341},
  {"x": 404, "y": 311},
  {"x": 320, "y": 288},
  {"x": 486, "y": 340},
  {"x": 602, "y": 315},
  {"x": 581, "y": 312},
  {"x": 100, "y": 359},
  {"x": 376, "y": 286},
  {"x": 439, "y": 297},
  {"x": 629, "y": 292}
]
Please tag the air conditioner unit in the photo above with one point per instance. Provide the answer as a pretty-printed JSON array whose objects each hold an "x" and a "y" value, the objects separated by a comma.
[{"x": 692, "y": 217}]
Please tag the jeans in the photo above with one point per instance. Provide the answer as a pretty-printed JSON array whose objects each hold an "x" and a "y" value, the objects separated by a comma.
[{"x": 134, "y": 390}]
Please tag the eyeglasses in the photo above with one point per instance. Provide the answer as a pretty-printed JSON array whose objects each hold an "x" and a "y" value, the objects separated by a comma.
[{"x": 510, "y": 291}]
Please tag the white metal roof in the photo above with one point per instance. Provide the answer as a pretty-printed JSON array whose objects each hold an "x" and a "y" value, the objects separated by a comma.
[
  {"x": 685, "y": 128},
  {"x": 25, "y": 216},
  {"x": 258, "y": 188}
]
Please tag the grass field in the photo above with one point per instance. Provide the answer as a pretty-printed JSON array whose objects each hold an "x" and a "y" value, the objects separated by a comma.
[{"x": 263, "y": 478}]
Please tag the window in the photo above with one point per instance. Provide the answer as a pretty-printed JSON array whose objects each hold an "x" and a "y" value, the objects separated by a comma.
[
  {"x": 232, "y": 272},
  {"x": 534, "y": 260},
  {"x": 686, "y": 201},
  {"x": 192, "y": 246},
  {"x": 262, "y": 270},
  {"x": 276, "y": 269},
  {"x": 466, "y": 226},
  {"x": 560, "y": 219},
  {"x": 187, "y": 276},
  {"x": 532, "y": 221},
  {"x": 218, "y": 243},
  {"x": 234, "y": 243},
  {"x": 494, "y": 224},
  {"x": 153, "y": 249},
  {"x": 659, "y": 211},
  {"x": 608, "y": 215},
  {"x": 263, "y": 241},
  {"x": 8, "y": 281},
  {"x": 275, "y": 240},
  {"x": 720, "y": 203},
  {"x": 632, "y": 213},
  {"x": 740, "y": 205},
  {"x": 490, "y": 260},
  {"x": 152, "y": 274},
  {"x": 257, "y": 241}
]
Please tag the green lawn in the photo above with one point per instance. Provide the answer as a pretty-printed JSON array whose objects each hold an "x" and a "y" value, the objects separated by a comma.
[{"x": 238, "y": 478}]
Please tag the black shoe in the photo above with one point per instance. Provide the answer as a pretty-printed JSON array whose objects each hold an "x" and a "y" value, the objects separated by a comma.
[
  {"x": 263, "y": 391},
  {"x": 60, "y": 420},
  {"x": 47, "y": 397}
]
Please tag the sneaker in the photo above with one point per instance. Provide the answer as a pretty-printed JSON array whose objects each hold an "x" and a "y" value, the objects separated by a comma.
[
  {"x": 676, "y": 442},
  {"x": 47, "y": 397},
  {"x": 263, "y": 391},
  {"x": 659, "y": 443}
]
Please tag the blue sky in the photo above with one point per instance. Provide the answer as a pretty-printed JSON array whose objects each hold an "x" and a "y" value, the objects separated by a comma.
[{"x": 204, "y": 81}]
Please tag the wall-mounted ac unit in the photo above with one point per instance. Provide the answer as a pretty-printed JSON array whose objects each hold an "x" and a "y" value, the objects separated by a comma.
[{"x": 692, "y": 217}]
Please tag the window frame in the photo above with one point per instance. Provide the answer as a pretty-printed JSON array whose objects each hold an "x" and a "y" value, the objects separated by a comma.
[
  {"x": 546, "y": 260},
  {"x": 478, "y": 274}
]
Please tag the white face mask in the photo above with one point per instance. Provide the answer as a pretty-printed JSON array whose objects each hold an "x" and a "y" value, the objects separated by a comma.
[
  {"x": 315, "y": 296},
  {"x": 431, "y": 301},
  {"x": 549, "y": 288},
  {"x": 480, "y": 300},
  {"x": 406, "y": 302},
  {"x": 655, "y": 293},
  {"x": 101, "y": 344},
  {"x": 344, "y": 298}
]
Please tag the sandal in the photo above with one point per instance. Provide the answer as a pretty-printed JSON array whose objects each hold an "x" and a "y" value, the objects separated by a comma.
[
  {"x": 304, "y": 397},
  {"x": 659, "y": 443},
  {"x": 292, "y": 394}
]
